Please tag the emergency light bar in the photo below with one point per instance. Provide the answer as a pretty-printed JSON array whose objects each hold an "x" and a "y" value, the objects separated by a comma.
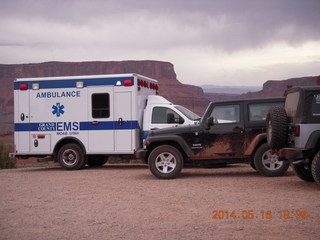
[{"x": 23, "y": 86}]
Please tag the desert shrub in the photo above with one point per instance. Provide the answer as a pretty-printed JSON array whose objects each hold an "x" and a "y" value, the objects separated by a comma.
[{"x": 5, "y": 161}]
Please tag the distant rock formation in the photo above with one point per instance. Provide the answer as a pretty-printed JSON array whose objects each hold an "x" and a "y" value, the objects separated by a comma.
[
  {"x": 192, "y": 97},
  {"x": 271, "y": 88},
  {"x": 170, "y": 87}
]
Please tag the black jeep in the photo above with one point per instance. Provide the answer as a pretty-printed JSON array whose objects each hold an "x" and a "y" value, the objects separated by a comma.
[
  {"x": 295, "y": 131},
  {"x": 229, "y": 132}
]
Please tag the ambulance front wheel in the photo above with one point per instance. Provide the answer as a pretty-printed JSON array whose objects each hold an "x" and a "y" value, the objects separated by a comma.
[{"x": 71, "y": 157}]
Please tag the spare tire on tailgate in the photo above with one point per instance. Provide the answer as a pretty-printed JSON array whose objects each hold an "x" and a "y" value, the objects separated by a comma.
[{"x": 277, "y": 127}]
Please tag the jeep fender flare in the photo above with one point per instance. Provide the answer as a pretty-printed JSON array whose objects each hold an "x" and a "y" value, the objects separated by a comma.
[
  {"x": 313, "y": 140},
  {"x": 169, "y": 140},
  {"x": 260, "y": 138}
]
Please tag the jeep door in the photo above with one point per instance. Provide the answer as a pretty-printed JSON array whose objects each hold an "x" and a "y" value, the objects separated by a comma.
[{"x": 224, "y": 139}]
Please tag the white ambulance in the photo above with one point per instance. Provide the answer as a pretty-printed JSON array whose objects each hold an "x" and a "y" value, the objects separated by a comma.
[{"x": 82, "y": 120}]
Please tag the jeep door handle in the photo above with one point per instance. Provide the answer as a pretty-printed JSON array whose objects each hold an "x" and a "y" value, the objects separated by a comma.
[{"x": 95, "y": 123}]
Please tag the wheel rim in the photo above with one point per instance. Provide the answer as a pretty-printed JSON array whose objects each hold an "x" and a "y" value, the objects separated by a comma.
[
  {"x": 271, "y": 161},
  {"x": 166, "y": 162},
  {"x": 70, "y": 157}
]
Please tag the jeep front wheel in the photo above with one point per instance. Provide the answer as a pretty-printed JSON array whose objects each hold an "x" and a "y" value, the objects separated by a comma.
[
  {"x": 315, "y": 167},
  {"x": 277, "y": 127},
  {"x": 165, "y": 162},
  {"x": 268, "y": 164}
]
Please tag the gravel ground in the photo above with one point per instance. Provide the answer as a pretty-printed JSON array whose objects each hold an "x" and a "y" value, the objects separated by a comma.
[{"x": 127, "y": 202}]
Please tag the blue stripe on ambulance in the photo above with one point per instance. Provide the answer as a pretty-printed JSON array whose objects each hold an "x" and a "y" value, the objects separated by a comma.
[
  {"x": 71, "y": 83},
  {"x": 84, "y": 126}
]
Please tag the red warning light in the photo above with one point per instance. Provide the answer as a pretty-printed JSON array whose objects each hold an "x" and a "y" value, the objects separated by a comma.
[
  {"x": 127, "y": 83},
  {"x": 23, "y": 86}
]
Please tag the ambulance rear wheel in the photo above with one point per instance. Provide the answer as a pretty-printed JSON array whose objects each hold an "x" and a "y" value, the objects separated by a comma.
[
  {"x": 71, "y": 157},
  {"x": 96, "y": 160}
]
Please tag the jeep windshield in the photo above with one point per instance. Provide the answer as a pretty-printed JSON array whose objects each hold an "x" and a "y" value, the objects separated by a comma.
[{"x": 191, "y": 115}]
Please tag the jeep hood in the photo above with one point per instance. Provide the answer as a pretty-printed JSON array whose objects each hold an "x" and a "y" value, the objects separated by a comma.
[{"x": 175, "y": 130}]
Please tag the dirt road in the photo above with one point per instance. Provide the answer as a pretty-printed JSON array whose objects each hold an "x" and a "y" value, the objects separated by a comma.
[{"x": 127, "y": 202}]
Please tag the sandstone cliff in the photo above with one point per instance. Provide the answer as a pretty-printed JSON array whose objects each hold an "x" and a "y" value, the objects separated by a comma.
[
  {"x": 164, "y": 72},
  {"x": 271, "y": 88},
  {"x": 189, "y": 96}
]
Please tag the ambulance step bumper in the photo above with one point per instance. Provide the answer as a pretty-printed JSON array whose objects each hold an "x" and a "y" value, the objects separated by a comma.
[{"x": 140, "y": 153}]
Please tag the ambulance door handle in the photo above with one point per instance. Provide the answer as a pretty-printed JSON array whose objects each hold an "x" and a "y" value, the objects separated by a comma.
[
  {"x": 120, "y": 121},
  {"x": 95, "y": 123}
]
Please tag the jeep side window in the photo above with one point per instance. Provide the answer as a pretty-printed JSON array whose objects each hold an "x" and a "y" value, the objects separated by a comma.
[
  {"x": 226, "y": 114},
  {"x": 100, "y": 105},
  {"x": 163, "y": 115},
  {"x": 259, "y": 111}
]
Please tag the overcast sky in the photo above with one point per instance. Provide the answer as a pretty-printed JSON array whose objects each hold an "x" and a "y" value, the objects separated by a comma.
[{"x": 221, "y": 42}]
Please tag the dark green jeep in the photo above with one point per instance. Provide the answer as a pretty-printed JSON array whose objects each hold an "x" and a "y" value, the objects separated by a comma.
[{"x": 229, "y": 132}]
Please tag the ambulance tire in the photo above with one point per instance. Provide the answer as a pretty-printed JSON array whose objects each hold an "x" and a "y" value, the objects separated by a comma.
[
  {"x": 71, "y": 157},
  {"x": 96, "y": 160},
  {"x": 165, "y": 162}
]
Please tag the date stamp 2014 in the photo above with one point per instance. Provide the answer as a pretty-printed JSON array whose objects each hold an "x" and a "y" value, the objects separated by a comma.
[{"x": 260, "y": 215}]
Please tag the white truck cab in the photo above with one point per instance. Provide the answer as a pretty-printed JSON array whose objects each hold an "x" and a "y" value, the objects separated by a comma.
[
  {"x": 82, "y": 120},
  {"x": 160, "y": 113}
]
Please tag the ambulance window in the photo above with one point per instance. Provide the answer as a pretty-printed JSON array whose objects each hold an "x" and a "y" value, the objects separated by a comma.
[
  {"x": 100, "y": 105},
  {"x": 163, "y": 115}
]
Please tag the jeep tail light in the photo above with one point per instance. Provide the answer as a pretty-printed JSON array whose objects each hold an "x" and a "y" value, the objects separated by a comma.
[
  {"x": 23, "y": 86},
  {"x": 296, "y": 131},
  {"x": 280, "y": 153}
]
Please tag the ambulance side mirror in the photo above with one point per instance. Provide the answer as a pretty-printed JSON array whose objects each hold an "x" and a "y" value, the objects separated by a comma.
[{"x": 208, "y": 123}]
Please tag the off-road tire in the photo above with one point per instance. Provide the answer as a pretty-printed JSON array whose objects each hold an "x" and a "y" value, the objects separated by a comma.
[
  {"x": 268, "y": 164},
  {"x": 277, "y": 127},
  {"x": 96, "y": 160},
  {"x": 165, "y": 162},
  {"x": 71, "y": 157},
  {"x": 315, "y": 167},
  {"x": 303, "y": 171}
]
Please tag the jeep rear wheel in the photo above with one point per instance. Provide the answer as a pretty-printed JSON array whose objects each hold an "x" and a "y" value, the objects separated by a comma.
[
  {"x": 315, "y": 167},
  {"x": 268, "y": 163},
  {"x": 71, "y": 157},
  {"x": 303, "y": 171},
  {"x": 277, "y": 127},
  {"x": 165, "y": 162}
]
